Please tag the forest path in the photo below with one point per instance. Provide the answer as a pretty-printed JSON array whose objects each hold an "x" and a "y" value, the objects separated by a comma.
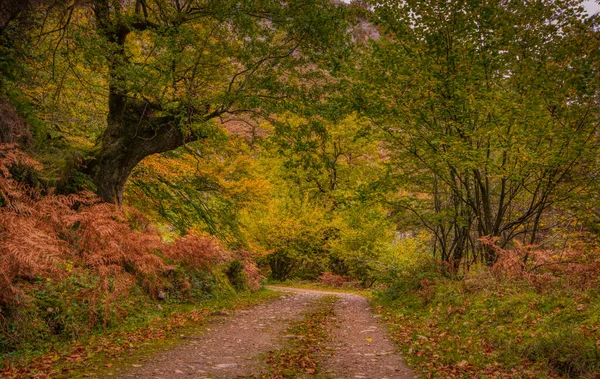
[{"x": 234, "y": 346}]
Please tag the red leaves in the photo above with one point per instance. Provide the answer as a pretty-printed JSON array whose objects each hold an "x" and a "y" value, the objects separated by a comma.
[
  {"x": 331, "y": 279},
  {"x": 545, "y": 268},
  {"x": 197, "y": 251},
  {"x": 48, "y": 240},
  {"x": 39, "y": 235}
]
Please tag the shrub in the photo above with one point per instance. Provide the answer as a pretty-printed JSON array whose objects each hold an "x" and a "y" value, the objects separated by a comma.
[
  {"x": 495, "y": 321},
  {"x": 236, "y": 275},
  {"x": 253, "y": 276},
  {"x": 66, "y": 261},
  {"x": 330, "y": 279}
]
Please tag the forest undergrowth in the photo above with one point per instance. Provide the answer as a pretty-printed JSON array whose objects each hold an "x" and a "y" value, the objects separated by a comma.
[
  {"x": 129, "y": 343},
  {"x": 73, "y": 266},
  {"x": 512, "y": 320}
]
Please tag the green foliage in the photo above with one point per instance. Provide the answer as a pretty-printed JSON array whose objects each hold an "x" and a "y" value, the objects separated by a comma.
[
  {"x": 202, "y": 187},
  {"x": 408, "y": 260},
  {"x": 67, "y": 310},
  {"x": 236, "y": 276},
  {"x": 485, "y": 112},
  {"x": 565, "y": 351},
  {"x": 62, "y": 158},
  {"x": 462, "y": 119},
  {"x": 334, "y": 161},
  {"x": 7, "y": 61},
  {"x": 325, "y": 176},
  {"x": 364, "y": 241},
  {"x": 293, "y": 235},
  {"x": 57, "y": 310},
  {"x": 481, "y": 324}
]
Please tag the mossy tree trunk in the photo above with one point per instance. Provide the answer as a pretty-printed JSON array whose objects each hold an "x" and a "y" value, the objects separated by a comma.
[{"x": 136, "y": 128}]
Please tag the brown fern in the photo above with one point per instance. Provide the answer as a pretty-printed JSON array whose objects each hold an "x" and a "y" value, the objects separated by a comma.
[{"x": 52, "y": 237}]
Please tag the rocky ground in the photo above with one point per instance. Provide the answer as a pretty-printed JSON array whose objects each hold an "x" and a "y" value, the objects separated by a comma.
[{"x": 235, "y": 345}]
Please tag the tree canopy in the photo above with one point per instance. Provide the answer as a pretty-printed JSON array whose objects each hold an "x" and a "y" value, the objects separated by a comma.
[
  {"x": 490, "y": 111},
  {"x": 339, "y": 128}
]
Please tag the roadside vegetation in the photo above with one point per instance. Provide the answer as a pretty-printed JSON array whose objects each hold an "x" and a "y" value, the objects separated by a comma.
[
  {"x": 107, "y": 351},
  {"x": 507, "y": 321},
  {"x": 443, "y": 154}
]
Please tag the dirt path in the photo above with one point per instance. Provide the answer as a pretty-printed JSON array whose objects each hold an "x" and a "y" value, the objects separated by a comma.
[
  {"x": 359, "y": 347},
  {"x": 233, "y": 345}
]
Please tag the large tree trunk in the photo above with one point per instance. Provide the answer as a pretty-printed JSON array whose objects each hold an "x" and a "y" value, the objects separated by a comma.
[
  {"x": 125, "y": 143},
  {"x": 135, "y": 128}
]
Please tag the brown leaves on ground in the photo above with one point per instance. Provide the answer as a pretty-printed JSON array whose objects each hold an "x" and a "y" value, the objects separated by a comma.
[
  {"x": 426, "y": 353},
  {"x": 306, "y": 338},
  {"x": 92, "y": 355}
]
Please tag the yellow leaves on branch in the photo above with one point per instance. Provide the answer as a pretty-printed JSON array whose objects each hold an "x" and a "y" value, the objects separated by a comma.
[{"x": 232, "y": 173}]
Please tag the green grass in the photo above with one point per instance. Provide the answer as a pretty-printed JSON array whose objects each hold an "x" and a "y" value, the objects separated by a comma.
[
  {"x": 491, "y": 329},
  {"x": 107, "y": 352}
]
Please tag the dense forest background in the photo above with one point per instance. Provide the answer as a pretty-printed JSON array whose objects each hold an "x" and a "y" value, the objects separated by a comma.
[{"x": 173, "y": 150}]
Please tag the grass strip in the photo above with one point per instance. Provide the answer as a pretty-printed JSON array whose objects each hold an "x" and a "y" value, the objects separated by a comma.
[
  {"x": 105, "y": 354},
  {"x": 511, "y": 331}
]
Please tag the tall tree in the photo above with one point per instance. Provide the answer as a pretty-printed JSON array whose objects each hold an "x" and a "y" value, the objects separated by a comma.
[
  {"x": 487, "y": 107},
  {"x": 174, "y": 67}
]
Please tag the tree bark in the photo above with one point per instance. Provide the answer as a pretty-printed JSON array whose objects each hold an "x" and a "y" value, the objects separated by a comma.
[
  {"x": 126, "y": 142},
  {"x": 135, "y": 128}
]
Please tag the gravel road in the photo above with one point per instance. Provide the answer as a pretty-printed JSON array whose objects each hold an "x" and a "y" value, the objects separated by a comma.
[{"x": 233, "y": 344}]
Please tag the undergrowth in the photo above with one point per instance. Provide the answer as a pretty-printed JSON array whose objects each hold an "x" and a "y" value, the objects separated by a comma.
[
  {"x": 71, "y": 265},
  {"x": 492, "y": 325},
  {"x": 112, "y": 350}
]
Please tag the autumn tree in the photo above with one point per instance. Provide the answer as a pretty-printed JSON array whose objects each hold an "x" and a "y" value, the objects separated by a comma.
[
  {"x": 172, "y": 68},
  {"x": 489, "y": 110},
  {"x": 204, "y": 190},
  {"x": 322, "y": 212},
  {"x": 332, "y": 160}
]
